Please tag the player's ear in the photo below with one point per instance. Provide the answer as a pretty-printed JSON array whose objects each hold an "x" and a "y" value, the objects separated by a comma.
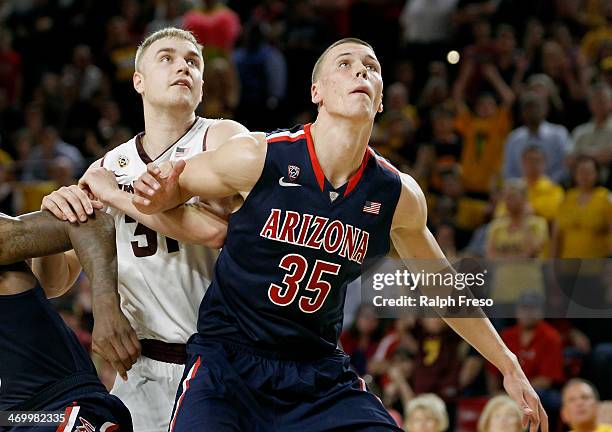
[
  {"x": 315, "y": 96},
  {"x": 138, "y": 81},
  {"x": 380, "y": 106}
]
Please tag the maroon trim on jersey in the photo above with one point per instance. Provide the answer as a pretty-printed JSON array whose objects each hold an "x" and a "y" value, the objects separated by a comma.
[
  {"x": 102, "y": 160},
  {"x": 205, "y": 136},
  {"x": 313, "y": 158},
  {"x": 143, "y": 154},
  {"x": 140, "y": 149},
  {"x": 354, "y": 180}
]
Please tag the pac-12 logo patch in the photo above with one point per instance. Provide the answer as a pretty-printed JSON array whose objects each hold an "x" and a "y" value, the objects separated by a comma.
[
  {"x": 294, "y": 172},
  {"x": 123, "y": 160}
]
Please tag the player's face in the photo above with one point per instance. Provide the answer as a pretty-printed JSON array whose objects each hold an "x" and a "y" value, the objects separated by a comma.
[
  {"x": 350, "y": 82},
  {"x": 171, "y": 74}
]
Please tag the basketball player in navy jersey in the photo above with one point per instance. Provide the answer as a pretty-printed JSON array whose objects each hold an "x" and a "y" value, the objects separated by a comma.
[
  {"x": 43, "y": 366},
  {"x": 317, "y": 203}
]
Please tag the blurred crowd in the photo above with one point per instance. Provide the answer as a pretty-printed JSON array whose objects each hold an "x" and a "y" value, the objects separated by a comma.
[{"x": 501, "y": 109}]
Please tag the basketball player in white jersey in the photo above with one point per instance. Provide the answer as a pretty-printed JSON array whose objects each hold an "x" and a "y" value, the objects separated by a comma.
[{"x": 164, "y": 268}]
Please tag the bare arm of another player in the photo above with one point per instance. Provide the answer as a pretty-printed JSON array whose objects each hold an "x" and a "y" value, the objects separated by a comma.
[
  {"x": 58, "y": 272},
  {"x": 40, "y": 233},
  {"x": 417, "y": 247},
  {"x": 232, "y": 169}
]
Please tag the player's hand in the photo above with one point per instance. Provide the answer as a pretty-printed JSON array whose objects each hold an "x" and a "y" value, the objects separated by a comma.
[
  {"x": 70, "y": 203},
  {"x": 113, "y": 337},
  {"x": 518, "y": 388},
  {"x": 158, "y": 189},
  {"x": 100, "y": 182}
]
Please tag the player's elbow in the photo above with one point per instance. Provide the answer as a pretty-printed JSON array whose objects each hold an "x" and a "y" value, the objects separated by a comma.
[{"x": 213, "y": 237}]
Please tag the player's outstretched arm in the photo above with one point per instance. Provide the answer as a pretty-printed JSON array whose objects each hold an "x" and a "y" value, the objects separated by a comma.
[
  {"x": 40, "y": 233},
  {"x": 186, "y": 223},
  {"x": 231, "y": 169},
  {"x": 417, "y": 247}
]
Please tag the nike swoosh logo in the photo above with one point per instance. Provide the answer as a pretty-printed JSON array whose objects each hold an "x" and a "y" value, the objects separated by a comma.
[{"x": 282, "y": 182}]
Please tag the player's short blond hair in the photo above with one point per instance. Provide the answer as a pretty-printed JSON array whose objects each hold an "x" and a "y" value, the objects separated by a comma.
[
  {"x": 168, "y": 32},
  {"x": 433, "y": 405},
  {"x": 317, "y": 67},
  {"x": 494, "y": 404}
]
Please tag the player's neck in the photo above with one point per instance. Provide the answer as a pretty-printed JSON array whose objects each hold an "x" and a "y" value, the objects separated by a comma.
[
  {"x": 340, "y": 145},
  {"x": 162, "y": 128}
]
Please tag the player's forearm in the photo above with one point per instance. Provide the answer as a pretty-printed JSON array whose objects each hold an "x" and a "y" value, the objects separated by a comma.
[
  {"x": 31, "y": 235},
  {"x": 479, "y": 333},
  {"x": 185, "y": 223},
  {"x": 94, "y": 243}
]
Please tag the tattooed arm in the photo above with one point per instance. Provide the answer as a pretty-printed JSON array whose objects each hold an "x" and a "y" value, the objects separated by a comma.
[{"x": 40, "y": 233}]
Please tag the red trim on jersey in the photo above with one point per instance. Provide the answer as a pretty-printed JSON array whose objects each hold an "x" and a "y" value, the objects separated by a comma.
[
  {"x": 382, "y": 161},
  {"x": 190, "y": 376},
  {"x": 286, "y": 137},
  {"x": 70, "y": 416},
  {"x": 354, "y": 180},
  {"x": 313, "y": 158}
]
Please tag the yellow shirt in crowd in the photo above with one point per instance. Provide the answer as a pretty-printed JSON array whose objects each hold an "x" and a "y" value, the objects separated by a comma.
[
  {"x": 585, "y": 228},
  {"x": 483, "y": 147},
  {"x": 544, "y": 197},
  {"x": 603, "y": 428}
]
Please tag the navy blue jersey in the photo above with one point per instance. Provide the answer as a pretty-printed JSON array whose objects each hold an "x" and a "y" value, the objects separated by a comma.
[
  {"x": 294, "y": 245},
  {"x": 38, "y": 352}
]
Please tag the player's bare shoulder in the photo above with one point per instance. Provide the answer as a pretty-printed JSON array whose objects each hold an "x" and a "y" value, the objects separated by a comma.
[
  {"x": 411, "y": 210},
  {"x": 221, "y": 131}
]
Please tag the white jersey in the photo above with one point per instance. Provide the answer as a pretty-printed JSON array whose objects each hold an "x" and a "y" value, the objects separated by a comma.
[{"x": 161, "y": 281}]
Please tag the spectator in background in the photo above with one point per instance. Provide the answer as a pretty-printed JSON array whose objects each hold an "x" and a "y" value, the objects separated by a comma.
[
  {"x": 222, "y": 89},
  {"x": 263, "y": 79},
  {"x": 553, "y": 139},
  {"x": 510, "y": 64},
  {"x": 570, "y": 79},
  {"x": 87, "y": 76},
  {"x": 543, "y": 195},
  {"x": 443, "y": 151},
  {"x": 393, "y": 134},
  {"x": 584, "y": 223},
  {"x": 454, "y": 206},
  {"x": 500, "y": 414},
  {"x": 10, "y": 72},
  {"x": 426, "y": 30},
  {"x": 440, "y": 362},
  {"x": 591, "y": 42},
  {"x": 595, "y": 137},
  {"x": 513, "y": 239},
  {"x": 168, "y": 13},
  {"x": 215, "y": 26},
  {"x": 7, "y": 193},
  {"x": 361, "y": 339},
  {"x": 484, "y": 131},
  {"x": 543, "y": 85},
  {"x": 579, "y": 403},
  {"x": 42, "y": 156},
  {"x": 538, "y": 348},
  {"x": 426, "y": 413}
]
